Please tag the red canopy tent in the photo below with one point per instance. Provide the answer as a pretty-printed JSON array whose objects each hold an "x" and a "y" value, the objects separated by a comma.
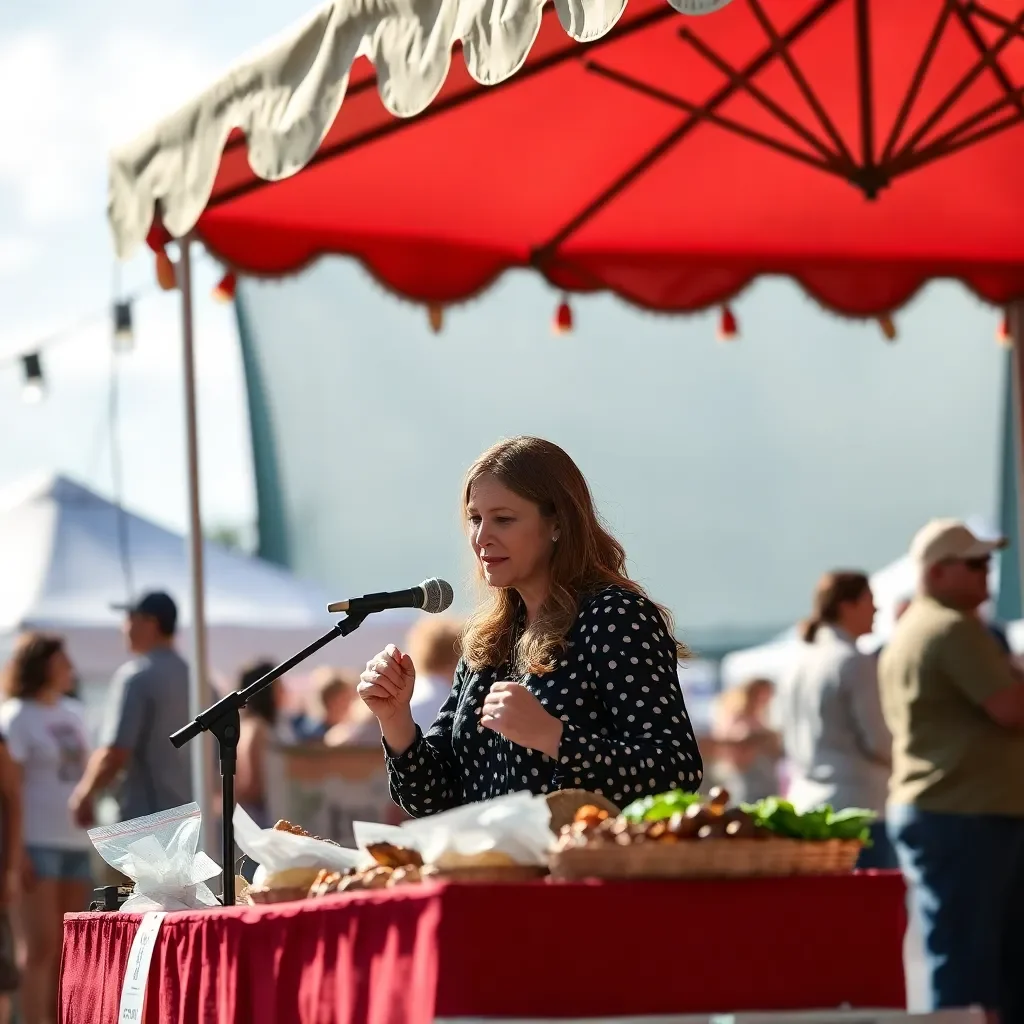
[{"x": 863, "y": 147}]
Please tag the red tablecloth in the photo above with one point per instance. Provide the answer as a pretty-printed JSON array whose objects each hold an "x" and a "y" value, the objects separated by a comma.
[{"x": 407, "y": 956}]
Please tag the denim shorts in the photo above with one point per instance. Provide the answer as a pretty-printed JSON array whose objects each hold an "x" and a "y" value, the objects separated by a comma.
[
  {"x": 65, "y": 865},
  {"x": 965, "y": 874}
]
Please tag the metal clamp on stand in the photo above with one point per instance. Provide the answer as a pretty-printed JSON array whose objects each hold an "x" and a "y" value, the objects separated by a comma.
[{"x": 223, "y": 721}]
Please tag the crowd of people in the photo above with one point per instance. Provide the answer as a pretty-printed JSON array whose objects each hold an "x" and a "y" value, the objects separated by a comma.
[
  {"x": 928, "y": 733},
  {"x": 53, "y": 771}
]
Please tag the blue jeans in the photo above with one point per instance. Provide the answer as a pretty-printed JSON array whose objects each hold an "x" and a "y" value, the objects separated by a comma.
[
  {"x": 965, "y": 875},
  {"x": 879, "y": 856},
  {"x": 63, "y": 865}
]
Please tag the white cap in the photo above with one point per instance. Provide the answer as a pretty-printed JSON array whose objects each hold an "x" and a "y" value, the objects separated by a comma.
[{"x": 948, "y": 539}]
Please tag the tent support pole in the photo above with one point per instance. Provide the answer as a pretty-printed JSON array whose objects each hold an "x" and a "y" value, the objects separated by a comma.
[
  {"x": 199, "y": 690},
  {"x": 1016, "y": 317}
]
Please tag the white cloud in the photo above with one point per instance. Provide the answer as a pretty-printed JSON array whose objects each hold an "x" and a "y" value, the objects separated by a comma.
[
  {"x": 17, "y": 253},
  {"x": 62, "y": 107}
]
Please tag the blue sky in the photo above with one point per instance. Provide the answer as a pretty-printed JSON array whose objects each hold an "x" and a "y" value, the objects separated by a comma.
[{"x": 88, "y": 75}]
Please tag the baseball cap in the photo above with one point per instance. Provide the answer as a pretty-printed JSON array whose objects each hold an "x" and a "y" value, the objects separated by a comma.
[
  {"x": 944, "y": 540},
  {"x": 157, "y": 605}
]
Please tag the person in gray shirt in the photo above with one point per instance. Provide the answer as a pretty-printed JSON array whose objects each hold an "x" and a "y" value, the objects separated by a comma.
[
  {"x": 148, "y": 700},
  {"x": 834, "y": 735}
]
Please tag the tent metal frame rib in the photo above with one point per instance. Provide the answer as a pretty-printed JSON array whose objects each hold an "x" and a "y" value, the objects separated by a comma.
[{"x": 830, "y": 154}]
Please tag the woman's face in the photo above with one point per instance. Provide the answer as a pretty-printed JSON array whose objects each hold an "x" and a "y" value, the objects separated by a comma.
[
  {"x": 861, "y": 614},
  {"x": 511, "y": 539},
  {"x": 61, "y": 673}
]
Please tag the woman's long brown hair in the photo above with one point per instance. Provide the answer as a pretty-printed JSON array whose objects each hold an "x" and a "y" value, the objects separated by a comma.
[
  {"x": 586, "y": 558},
  {"x": 28, "y": 671}
]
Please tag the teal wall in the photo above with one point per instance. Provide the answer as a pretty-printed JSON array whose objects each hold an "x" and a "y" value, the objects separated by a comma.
[{"x": 270, "y": 497}]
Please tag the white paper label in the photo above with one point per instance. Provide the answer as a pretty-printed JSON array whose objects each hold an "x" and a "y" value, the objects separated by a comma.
[{"x": 133, "y": 989}]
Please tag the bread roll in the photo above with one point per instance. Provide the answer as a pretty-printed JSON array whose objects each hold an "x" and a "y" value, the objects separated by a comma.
[
  {"x": 487, "y": 859},
  {"x": 292, "y": 878}
]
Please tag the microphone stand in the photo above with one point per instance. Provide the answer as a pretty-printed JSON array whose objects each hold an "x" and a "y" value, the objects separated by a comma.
[{"x": 222, "y": 719}]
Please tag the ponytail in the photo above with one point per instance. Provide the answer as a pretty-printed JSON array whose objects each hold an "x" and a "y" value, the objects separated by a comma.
[
  {"x": 833, "y": 591},
  {"x": 808, "y": 629}
]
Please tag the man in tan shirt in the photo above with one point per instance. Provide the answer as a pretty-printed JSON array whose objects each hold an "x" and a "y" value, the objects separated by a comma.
[{"x": 955, "y": 707}]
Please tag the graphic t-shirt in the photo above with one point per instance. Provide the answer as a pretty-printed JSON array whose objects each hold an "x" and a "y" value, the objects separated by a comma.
[{"x": 51, "y": 744}]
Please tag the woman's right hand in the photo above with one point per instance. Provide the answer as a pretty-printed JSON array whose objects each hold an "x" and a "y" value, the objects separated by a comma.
[{"x": 386, "y": 685}]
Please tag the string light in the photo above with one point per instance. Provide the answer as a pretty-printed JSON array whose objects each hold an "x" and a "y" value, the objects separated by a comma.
[
  {"x": 121, "y": 320},
  {"x": 34, "y": 387},
  {"x": 124, "y": 332}
]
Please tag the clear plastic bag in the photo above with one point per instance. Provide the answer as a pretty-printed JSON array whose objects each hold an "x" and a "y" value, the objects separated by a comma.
[
  {"x": 517, "y": 825},
  {"x": 160, "y": 854}
]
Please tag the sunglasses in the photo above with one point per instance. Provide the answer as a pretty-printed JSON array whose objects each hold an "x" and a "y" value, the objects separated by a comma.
[{"x": 980, "y": 564}]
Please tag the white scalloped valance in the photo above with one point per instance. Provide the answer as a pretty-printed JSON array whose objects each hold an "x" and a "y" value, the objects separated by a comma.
[{"x": 286, "y": 96}]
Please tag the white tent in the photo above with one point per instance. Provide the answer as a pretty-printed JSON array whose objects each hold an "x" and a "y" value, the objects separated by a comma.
[{"x": 67, "y": 554}]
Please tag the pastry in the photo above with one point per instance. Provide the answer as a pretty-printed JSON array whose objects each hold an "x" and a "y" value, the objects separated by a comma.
[
  {"x": 487, "y": 859},
  {"x": 405, "y": 876},
  {"x": 291, "y": 878},
  {"x": 390, "y": 856},
  {"x": 297, "y": 830}
]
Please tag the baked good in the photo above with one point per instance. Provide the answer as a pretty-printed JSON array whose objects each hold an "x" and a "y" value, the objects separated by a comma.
[
  {"x": 283, "y": 825},
  {"x": 564, "y": 804},
  {"x": 452, "y": 860},
  {"x": 327, "y": 881},
  {"x": 390, "y": 856},
  {"x": 291, "y": 878},
  {"x": 371, "y": 878},
  {"x": 405, "y": 876}
]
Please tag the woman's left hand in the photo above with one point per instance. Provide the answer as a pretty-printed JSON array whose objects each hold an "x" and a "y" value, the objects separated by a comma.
[{"x": 510, "y": 709}]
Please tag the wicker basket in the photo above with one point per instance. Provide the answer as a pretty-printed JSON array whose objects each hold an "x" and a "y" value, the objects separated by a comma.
[
  {"x": 828, "y": 857},
  {"x": 564, "y": 804},
  {"x": 711, "y": 858},
  {"x": 489, "y": 874}
]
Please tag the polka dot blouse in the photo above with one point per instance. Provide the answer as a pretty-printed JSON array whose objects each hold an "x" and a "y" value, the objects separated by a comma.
[{"x": 625, "y": 729}]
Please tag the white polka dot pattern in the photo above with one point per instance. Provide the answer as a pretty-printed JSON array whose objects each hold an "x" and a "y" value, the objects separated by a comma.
[{"x": 625, "y": 729}]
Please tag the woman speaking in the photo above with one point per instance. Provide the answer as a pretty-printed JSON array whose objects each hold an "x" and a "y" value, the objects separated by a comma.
[{"x": 568, "y": 675}]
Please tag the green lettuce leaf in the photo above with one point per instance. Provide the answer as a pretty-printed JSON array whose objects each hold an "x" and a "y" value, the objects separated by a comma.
[
  {"x": 661, "y": 806},
  {"x": 851, "y": 823}
]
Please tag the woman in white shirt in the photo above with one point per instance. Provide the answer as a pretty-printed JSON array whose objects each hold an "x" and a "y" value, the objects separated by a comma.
[
  {"x": 835, "y": 738},
  {"x": 46, "y": 736}
]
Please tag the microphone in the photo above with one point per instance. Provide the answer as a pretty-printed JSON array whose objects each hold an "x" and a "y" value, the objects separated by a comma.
[{"x": 431, "y": 595}]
